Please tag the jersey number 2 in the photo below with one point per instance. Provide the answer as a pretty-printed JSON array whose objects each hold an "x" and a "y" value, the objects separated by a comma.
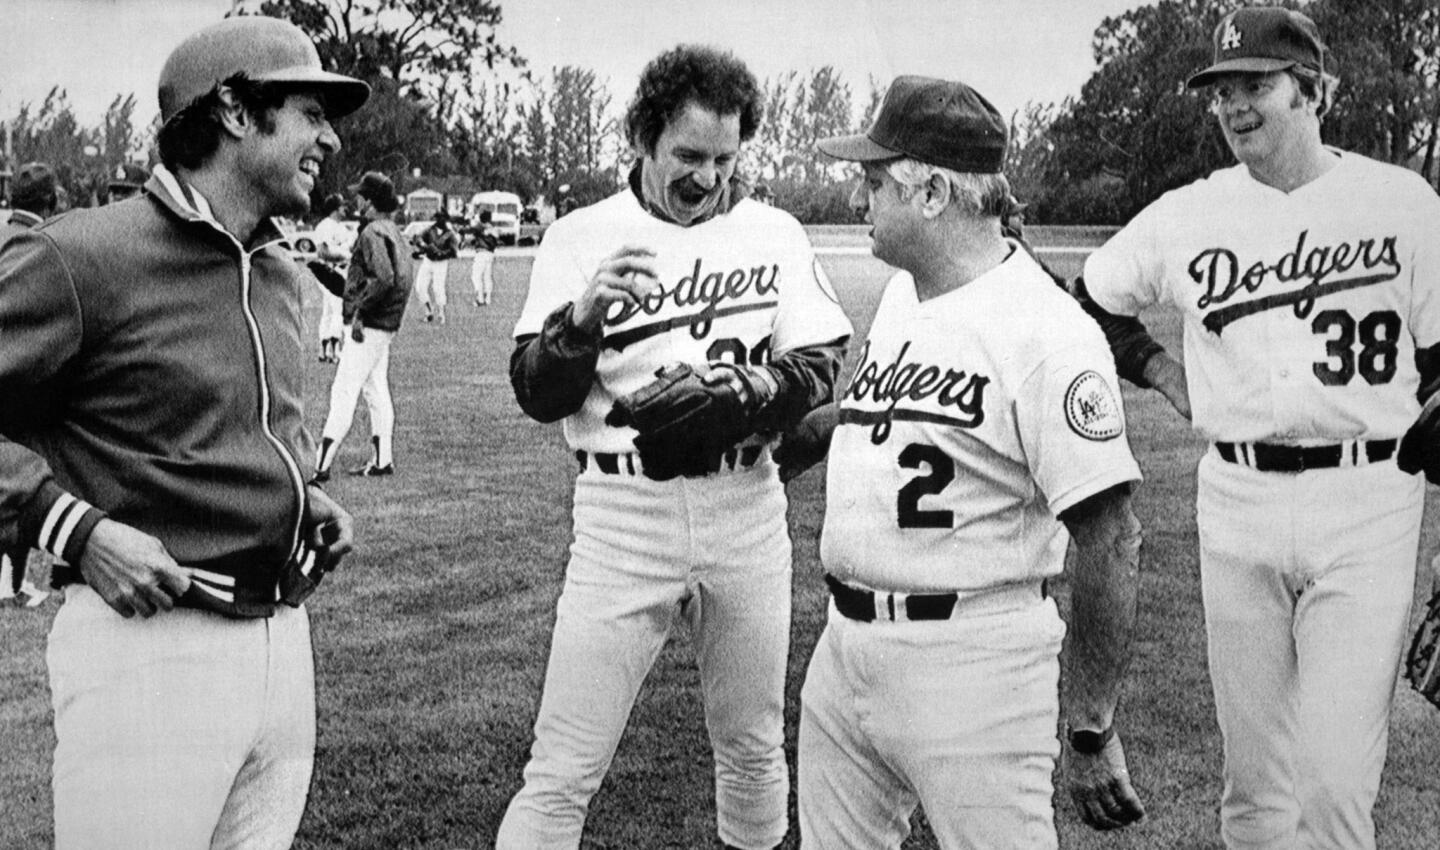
[
  {"x": 1379, "y": 335},
  {"x": 942, "y": 472}
]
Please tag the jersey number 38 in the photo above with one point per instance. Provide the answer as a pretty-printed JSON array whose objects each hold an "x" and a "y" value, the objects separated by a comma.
[{"x": 1379, "y": 338}]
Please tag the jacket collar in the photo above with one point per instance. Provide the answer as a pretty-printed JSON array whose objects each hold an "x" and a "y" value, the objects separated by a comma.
[
  {"x": 24, "y": 218},
  {"x": 185, "y": 201}
]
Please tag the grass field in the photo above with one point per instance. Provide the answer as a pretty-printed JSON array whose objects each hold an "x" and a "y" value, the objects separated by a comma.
[{"x": 431, "y": 640}]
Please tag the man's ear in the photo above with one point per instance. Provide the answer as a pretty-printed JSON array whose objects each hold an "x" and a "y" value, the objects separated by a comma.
[
  {"x": 233, "y": 117},
  {"x": 937, "y": 191}
]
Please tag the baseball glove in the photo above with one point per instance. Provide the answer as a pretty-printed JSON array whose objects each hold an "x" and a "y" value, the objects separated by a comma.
[
  {"x": 687, "y": 420},
  {"x": 1420, "y": 447},
  {"x": 1422, "y": 663}
]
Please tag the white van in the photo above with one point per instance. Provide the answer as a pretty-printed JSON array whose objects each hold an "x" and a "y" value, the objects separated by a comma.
[{"x": 504, "y": 209}]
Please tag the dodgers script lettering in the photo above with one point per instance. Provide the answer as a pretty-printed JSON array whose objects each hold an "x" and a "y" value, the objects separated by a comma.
[
  {"x": 902, "y": 380},
  {"x": 710, "y": 290},
  {"x": 1219, "y": 271}
]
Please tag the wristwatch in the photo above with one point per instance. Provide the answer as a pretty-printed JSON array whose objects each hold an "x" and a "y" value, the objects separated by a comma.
[{"x": 1088, "y": 741}]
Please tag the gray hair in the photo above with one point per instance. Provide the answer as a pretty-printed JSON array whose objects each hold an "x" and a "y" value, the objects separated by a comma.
[{"x": 986, "y": 195}]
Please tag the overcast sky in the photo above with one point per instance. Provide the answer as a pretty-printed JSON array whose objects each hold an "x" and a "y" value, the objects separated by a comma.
[{"x": 1012, "y": 51}]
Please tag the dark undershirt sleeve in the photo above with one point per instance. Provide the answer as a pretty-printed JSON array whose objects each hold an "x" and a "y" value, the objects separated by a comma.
[{"x": 552, "y": 371}]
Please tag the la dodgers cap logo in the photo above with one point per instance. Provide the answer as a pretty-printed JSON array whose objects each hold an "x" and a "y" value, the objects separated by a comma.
[{"x": 1261, "y": 39}]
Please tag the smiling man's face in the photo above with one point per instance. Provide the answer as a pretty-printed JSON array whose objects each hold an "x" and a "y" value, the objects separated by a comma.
[
  {"x": 693, "y": 160},
  {"x": 1263, "y": 116}
]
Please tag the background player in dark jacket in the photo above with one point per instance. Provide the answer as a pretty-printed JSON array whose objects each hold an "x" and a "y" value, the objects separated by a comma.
[
  {"x": 482, "y": 270},
  {"x": 377, "y": 288},
  {"x": 33, "y": 198},
  {"x": 163, "y": 457},
  {"x": 436, "y": 246}
]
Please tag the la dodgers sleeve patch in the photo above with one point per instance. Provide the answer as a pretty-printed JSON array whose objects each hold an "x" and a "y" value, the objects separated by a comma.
[{"x": 1091, "y": 409}]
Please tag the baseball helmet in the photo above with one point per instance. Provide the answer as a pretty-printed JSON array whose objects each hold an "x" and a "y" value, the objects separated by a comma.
[{"x": 263, "y": 49}]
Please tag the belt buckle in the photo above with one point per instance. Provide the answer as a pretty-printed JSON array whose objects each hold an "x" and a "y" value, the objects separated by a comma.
[{"x": 890, "y": 607}]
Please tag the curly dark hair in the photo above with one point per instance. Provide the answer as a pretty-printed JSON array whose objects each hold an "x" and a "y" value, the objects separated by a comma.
[
  {"x": 192, "y": 135},
  {"x": 712, "y": 78}
]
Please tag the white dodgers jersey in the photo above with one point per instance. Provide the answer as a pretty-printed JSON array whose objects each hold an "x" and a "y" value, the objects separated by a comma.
[
  {"x": 973, "y": 420},
  {"x": 1302, "y": 310},
  {"x": 736, "y": 288}
]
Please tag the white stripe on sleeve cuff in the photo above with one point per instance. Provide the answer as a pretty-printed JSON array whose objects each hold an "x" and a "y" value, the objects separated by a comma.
[{"x": 59, "y": 524}]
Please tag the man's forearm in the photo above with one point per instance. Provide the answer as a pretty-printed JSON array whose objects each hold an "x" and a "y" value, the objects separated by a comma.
[{"x": 1104, "y": 591}]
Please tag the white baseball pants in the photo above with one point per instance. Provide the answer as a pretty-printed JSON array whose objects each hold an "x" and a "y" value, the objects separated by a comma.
[
  {"x": 482, "y": 276},
  {"x": 1307, "y": 581},
  {"x": 187, "y": 730},
  {"x": 364, "y": 369},
  {"x": 957, "y": 716},
  {"x": 331, "y": 324},
  {"x": 714, "y": 552},
  {"x": 430, "y": 284}
]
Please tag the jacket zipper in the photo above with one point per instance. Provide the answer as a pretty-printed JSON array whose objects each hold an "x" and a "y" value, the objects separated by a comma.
[{"x": 296, "y": 479}]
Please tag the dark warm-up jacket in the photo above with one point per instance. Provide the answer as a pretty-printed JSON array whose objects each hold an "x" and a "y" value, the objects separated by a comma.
[
  {"x": 150, "y": 370},
  {"x": 439, "y": 244},
  {"x": 377, "y": 284}
]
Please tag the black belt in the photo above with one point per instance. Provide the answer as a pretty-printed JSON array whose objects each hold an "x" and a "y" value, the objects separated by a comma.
[
  {"x": 1269, "y": 457},
  {"x": 627, "y": 464},
  {"x": 859, "y": 604},
  {"x": 864, "y": 605}
]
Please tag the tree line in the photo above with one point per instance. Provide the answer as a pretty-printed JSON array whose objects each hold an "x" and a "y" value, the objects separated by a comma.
[{"x": 452, "y": 103}]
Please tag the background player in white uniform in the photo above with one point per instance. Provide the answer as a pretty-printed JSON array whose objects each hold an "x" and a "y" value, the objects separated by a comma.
[
  {"x": 982, "y": 421},
  {"x": 333, "y": 242},
  {"x": 678, "y": 267},
  {"x": 1307, "y": 279}
]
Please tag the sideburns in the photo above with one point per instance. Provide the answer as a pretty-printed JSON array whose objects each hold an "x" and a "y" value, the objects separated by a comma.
[{"x": 264, "y": 120}]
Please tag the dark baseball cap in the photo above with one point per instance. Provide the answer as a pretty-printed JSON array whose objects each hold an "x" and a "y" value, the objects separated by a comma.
[
  {"x": 1262, "y": 39},
  {"x": 33, "y": 188},
  {"x": 263, "y": 49},
  {"x": 128, "y": 175},
  {"x": 377, "y": 189},
  {"x": 934, "y": 121}
]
